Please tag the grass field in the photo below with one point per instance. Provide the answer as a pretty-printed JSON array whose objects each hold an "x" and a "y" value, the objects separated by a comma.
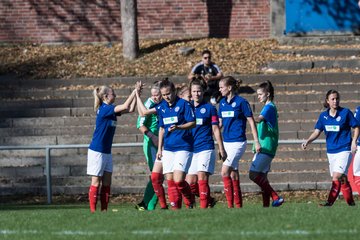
[{"x": 291, "y": 221}]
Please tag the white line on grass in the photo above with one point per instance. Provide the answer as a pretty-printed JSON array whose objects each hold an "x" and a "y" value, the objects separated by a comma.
[
  {"x": 248, "y": 233},
  {"x": 65, "y": 232}
]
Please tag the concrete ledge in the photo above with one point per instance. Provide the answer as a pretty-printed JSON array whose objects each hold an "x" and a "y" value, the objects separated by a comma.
[{"x": 345, "y": 52}]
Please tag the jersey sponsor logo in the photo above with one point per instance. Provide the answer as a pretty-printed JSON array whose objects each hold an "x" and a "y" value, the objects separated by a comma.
[
  {"x": 199, "y": 121},
  {"x": 227, "y": 114},
  {"x": 332, "y": 128},
  {"x": 203, "y": 110},
  {"x": 170, "y": 120}
]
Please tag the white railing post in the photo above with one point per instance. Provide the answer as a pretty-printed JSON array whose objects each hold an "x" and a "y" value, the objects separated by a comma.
[{"x": 48, "y": 175}]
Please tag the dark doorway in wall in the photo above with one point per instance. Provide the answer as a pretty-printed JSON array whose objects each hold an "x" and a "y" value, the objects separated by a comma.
[{"x": 219, "y": 15}]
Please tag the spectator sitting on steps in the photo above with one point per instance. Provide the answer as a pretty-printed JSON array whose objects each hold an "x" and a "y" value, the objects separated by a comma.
[{"x": 211, "y": 74}]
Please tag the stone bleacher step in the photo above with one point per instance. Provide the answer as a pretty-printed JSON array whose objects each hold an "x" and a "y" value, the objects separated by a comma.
[
  {"x": 320, "y": 64},
  {"x": 327, "y": 52},
  {"x": 139, "y": 167},
  {"x": 130, "y": 189},
  {"x": 121, "y": 184}
]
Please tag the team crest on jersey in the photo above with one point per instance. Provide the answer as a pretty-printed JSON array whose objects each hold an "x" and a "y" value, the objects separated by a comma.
[
  {"x": 338, "y": 119},
  {"x": 233, "y": 104},
  {"x": 177, "y": 109},
  {"x": 203, "y": 110}
]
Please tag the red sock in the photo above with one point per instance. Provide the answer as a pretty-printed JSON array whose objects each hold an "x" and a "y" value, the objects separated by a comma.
[
  {"x": 174, "y": 195},
  {"x": 157, "y": 180},
  {"x": 204, "y": 191},
  {"x": 347, "y": 192},
  {"x": 104, "y": 197},
  {"x": 237, "y": 193},
  {"x": 264, "y": 184},
  {"x": 266, "y": 199},
  {"x": 195, "y": 189},
  {"x": 228, "y": 190},
  {"x": 93, "y": 192},
  {"x": 184, "y": 188},
  {"x": 357, "y": 183},
  {"x": 334, "y": 192}
]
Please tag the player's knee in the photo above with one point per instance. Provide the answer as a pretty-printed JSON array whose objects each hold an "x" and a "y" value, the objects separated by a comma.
[
  {"x": 156, "y": 177},
  {"x": 253, "y": 175}
]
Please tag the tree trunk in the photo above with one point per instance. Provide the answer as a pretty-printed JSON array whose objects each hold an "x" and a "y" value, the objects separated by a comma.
[{"x": 129, "y": 29}]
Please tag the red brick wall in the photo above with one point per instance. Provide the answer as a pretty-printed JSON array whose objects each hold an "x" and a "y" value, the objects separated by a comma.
[{"x": 49, "y": 21}]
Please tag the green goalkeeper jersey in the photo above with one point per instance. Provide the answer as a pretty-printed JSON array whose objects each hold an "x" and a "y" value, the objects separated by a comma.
[
  {"x": 268, "y": 130},
  {"x": 149, "y": 121}
]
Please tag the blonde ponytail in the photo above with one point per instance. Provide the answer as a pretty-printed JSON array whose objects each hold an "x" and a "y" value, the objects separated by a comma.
[{"x": 99, "y": 93}]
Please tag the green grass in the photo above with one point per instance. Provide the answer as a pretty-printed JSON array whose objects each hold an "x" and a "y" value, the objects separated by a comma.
[{"x": 122, "y": 221}]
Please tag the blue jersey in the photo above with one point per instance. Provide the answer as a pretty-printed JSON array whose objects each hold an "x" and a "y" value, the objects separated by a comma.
[
  {"x": 206, "y": 116},
  {"x": 269, "y": 113},
  {"x": 104, "y": 129},
  {"x": 337, "y": 129},
  {"x": 357, "y": 117},
  {"x": 179, "y": 113},
  {"x": 233, "y": 115}
]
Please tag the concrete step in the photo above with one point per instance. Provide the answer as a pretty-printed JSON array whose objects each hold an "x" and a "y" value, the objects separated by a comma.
[
  {"x": 28, "y": 84},
  {"x": 73, "y": 190},
  {"x": 141, "y": 179},
  {"x": 14, "y": 111},
  {"x": 139, "y": 167},
  {"x": 11, "y": 82},
  {"x": 134, "y": 155},
  {"x": 301, "y": 78},
  {"x": 288, "y": 97},
  {"x": 321, "y": 64},
  {"x": 128, "y": 135},
  {"x": 319, "y": 40},
  {"x": 327, "y": 52},
  {"x": 123, "y": 127},
  {"x": 63, "y": 139},
  {"x": 71, "y": 98}
]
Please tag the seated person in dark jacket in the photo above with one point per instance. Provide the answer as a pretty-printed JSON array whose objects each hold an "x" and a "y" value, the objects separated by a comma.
[{"x": 211, "y": 74}]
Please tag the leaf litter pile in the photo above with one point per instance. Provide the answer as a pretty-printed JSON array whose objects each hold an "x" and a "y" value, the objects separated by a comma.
[{"x": 159, "y": 57}]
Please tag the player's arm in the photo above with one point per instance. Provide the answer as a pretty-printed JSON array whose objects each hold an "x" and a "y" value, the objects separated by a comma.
[
  {"x": 219, "y": 140},
  {"x": 254, "y": 133},
  {"x": 142, "y": 110},
  {"x": 129, "y": 103},
  {"x": 220, "y": 123},
  {"x": 160, "y": 143},
  {"x": 154, "y": 139},
  {"x": 354, "y": 139},
  {"x": 184, "y": 126},
  {"x": 218, "y": 76},
  {"x": 312, "y": 138},
  {"x": 259, "y": 119}
]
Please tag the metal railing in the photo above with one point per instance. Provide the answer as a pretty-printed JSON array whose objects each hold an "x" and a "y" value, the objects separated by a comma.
[{"x": 48, "y": 149}]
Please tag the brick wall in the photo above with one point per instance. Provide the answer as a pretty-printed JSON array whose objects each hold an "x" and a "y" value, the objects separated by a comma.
[{"x": 50, "y": 21}]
